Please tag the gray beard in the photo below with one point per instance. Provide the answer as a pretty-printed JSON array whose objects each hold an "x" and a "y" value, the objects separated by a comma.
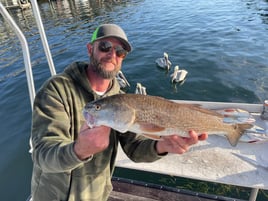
[{"x": 98, "y": 68}]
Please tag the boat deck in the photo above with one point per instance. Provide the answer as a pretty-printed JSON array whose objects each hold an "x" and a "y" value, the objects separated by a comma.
[{"x": 129, "y": 190}]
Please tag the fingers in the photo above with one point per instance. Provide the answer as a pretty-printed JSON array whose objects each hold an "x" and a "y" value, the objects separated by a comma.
[
  {"x": 193, "y": 139},
  {"x": 84, "y": 127},
  {"x": 175, "y": 144},
  {"x": 179, "y": 145},
  {"x": 104, "y": 130},
  {"x": 196, "y": 137},
  {"x": 203, "y": 136},
  {"x": 91, "y": 141}
]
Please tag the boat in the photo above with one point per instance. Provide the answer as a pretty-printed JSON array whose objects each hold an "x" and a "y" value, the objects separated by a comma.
[
  {"x": 135, "y": 190},
  {"x": 126, "y": 190},
  {"x": 213, "y": 160}
]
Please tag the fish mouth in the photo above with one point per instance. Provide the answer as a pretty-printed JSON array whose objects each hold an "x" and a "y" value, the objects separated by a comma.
[{"x": 90, "y": 120}]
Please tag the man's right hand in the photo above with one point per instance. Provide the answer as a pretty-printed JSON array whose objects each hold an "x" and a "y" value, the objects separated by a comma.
[{"x": 91, "y": 141}]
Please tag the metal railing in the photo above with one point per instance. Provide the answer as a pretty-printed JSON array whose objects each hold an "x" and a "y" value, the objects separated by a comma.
[
  {"x": 43, "y": 36},
  {"x": 25, "y": 51},
  {"x": 25, "y": 47}
]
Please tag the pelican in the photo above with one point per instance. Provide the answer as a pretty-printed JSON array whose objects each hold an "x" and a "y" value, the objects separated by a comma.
[
  {"x": 163, "y": 62},
  {"x": 140, "y": 89},
  {"x": 122, "y": 80},
  {"x": 178, "y": 75}
]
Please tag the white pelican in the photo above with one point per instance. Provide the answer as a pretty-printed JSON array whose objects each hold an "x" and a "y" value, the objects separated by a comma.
[
  {"x": 140, "y": 89},
  {"x": 178, "y": 75},
  {"x": 163, "y": 62},
  {"x": 122, "y": 80}
]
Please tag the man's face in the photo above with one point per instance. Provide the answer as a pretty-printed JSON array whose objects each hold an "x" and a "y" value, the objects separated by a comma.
[{"x": 106, "y": 57}]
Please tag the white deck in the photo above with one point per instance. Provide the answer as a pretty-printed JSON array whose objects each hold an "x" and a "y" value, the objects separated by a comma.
[{"x": 215, "y": 159}]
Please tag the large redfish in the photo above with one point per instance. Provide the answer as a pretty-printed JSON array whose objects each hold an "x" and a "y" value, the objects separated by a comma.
[{"x": 155, "y": 117}]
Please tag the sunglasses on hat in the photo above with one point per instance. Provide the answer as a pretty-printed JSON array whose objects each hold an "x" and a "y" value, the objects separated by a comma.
[{"x": 106, "y": 46}]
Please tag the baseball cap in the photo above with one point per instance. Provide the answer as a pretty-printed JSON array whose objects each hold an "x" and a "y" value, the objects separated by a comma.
[{"x": 111, "y": 30}]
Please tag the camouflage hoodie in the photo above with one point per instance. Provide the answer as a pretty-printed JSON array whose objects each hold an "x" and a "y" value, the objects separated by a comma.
[{"x": 57, "y": 172}]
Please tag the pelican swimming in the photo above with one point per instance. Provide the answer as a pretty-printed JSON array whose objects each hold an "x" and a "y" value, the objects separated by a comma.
[
  {"x": 122, "y": 80},
  {"x": 140, "y": 89},
  {"x": 163, "y": 62},
  {"x": 178, "y": 75}
]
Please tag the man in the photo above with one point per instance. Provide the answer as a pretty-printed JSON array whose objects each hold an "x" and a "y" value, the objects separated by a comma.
[{"x": 70, "y": 161}]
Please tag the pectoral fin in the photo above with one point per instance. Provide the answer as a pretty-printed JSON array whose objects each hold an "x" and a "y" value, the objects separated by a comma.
[
  {"x": 153, "y": 137},
  {"x": 147, "y": 127}
]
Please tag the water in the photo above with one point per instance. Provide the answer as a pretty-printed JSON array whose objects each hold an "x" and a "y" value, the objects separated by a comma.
[{"x": 222, "y": 44}]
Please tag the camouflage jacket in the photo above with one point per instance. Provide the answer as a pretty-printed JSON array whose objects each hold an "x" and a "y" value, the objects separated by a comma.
[{"x": 57, "y": 117}]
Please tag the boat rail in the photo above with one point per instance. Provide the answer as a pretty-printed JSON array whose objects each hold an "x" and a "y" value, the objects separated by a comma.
[
  {"x": 25, "y": 47},
  {"x": 25, "y": 51},
  {"x": 27, "y": 60}
]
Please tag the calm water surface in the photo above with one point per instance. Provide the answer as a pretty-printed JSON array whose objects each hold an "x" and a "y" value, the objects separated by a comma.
[{"x": 223, "y": 45}]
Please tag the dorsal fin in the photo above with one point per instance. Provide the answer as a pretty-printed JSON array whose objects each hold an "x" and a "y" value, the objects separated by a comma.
[{"x": 198, "y": 107}]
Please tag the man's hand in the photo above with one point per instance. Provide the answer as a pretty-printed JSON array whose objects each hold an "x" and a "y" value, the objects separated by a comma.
[
  {"x": 91, "y": 141},
  {"x": 177, "y": 144}
]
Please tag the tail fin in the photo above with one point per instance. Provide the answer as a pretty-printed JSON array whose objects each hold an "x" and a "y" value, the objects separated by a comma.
[{"x": 238, "y": 131}]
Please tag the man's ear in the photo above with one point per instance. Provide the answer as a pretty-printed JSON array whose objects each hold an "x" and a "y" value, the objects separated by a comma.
[{"x": 89, "y": 49}]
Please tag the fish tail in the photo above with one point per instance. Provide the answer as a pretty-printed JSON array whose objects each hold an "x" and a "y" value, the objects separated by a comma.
[{"x": 237, "y": 132}]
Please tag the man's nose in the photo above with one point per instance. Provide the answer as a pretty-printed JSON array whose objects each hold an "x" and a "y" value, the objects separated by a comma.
[{"x": 112, "y": 52}]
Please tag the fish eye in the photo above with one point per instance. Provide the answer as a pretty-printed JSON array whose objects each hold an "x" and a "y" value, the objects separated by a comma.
[{"x": 97, "y": 107}]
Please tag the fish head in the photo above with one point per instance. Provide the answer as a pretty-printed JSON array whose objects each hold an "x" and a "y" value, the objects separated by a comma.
[
  {"x": 90, "y": 118},
  {"x": 109, "y": 112},
  {"x": 97, "y": 113}
]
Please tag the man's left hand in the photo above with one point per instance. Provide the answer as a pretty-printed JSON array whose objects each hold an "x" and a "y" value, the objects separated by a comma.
[{"x": 177, "y": 144}]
